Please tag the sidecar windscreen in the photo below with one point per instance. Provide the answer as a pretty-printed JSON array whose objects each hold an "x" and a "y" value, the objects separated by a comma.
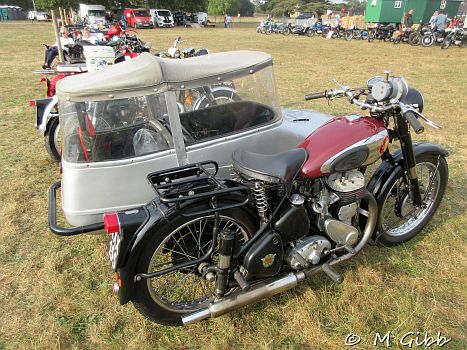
[
  {"x": 111, "y": 130},
  {"x": 122, "y": 112}
]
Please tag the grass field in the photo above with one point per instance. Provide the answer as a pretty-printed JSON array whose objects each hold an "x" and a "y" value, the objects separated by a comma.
[{"x": 56, "y": 292}]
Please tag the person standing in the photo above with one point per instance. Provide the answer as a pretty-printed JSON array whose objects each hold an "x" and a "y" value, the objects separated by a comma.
[
  {"x": 441, "y": 20},
  {"x": 225, "y": 21},
  {"x": 408, "y": 20},
  {"x": 228, "y": 21},
  {"x": 433, "y": 20}
]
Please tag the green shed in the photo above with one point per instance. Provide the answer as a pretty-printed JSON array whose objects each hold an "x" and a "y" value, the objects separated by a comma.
[{"x": 392, "y": 11}]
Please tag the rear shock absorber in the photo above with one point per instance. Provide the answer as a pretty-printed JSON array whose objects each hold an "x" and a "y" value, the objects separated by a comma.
[{"x": 261, "y": 200}]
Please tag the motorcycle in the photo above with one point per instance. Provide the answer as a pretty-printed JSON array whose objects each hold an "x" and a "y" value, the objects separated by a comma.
[
  {"x": 381, "y": 32},
  {"x": 174, "y": 51},
  {"x": 415, "y": 38},
  {"x": 317, "y": 29},
  {"x": 205, "y": 246},
  {"x": 401, "y": 36},
  {"x": 356, "y": 33},
  {"x": 297, "y": 30},
  {"x": 430, "y": 37},
  {"x": 457, "y": 36}
]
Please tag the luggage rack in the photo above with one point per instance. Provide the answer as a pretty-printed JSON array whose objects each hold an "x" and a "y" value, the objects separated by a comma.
[{"x": 194, "y": 182}]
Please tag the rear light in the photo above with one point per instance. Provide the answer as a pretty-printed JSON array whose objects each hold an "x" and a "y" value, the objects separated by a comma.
[
  {"x": 44, "y": 79},
  {"x": 32, "y": 103},
  {"x": 111, "y": 223}
]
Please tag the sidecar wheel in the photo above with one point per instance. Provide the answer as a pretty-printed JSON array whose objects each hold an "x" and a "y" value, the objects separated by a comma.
[
  {"x": 52, "y": 140},
  {"x": 398, "y": 220},
  {"x": 167, "y": 298}
]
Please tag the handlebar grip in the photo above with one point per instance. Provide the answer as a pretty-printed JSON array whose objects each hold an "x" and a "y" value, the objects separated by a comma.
[
  {"x": 413, "y": 121},
  {"x": 315, "y": 96}
]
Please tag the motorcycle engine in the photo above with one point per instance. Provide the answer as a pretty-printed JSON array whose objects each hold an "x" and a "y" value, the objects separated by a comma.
[
  {"x": 347, "y": 190},
  {"x": 307, "y": 251}
]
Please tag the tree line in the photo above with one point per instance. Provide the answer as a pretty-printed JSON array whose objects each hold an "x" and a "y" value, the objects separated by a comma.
[{"x": 213, "y": 7}]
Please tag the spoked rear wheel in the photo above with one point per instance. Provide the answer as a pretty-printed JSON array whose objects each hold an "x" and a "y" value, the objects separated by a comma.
[
  {"x": 167, "y": 298},
  {"x": 399, "y": 220}
]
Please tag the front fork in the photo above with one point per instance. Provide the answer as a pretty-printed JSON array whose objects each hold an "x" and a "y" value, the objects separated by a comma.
[{"x": 409, "y": 159}]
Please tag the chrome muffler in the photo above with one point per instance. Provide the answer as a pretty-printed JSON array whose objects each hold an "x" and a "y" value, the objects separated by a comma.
[
  {"x": 238, "y": 299},
  {"x": 282, "y": 283}
]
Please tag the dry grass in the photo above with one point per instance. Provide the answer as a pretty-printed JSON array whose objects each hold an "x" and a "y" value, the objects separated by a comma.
[{"x": 55, "y": 292}]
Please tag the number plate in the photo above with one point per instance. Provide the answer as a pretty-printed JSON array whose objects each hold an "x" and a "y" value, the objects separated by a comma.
[{"x": 114, "y": 249}]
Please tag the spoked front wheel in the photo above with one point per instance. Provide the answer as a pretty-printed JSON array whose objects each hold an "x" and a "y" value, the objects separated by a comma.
[
  {"x": 167, "y": 298},
  {"x": 399, "y": 220}
]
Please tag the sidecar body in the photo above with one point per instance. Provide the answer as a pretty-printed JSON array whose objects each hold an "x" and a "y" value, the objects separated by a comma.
[{"x": 144, "y": 115}]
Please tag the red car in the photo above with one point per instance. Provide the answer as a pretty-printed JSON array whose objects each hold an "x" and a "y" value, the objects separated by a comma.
[{"x": 138, "y": 18}]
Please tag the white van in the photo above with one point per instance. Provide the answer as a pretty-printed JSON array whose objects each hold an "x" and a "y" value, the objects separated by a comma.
[
  {"x": 162, "y": 18},
  {"x": 202, "y": 17}
]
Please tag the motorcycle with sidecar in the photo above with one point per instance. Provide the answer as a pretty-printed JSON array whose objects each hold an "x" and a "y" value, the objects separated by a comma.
[{"x": 150, "y": 114}]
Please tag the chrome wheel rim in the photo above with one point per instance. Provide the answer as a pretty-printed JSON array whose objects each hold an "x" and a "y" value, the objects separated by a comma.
[
  {"x": 186, "y": 289},
  {"x": 398, "y": 215}
]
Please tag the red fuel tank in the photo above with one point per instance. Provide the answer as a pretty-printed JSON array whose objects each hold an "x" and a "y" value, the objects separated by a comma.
[{"x": 343, "y": 143}]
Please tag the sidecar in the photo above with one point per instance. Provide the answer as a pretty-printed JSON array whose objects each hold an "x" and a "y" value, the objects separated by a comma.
[{"x": 144, "y": 115}]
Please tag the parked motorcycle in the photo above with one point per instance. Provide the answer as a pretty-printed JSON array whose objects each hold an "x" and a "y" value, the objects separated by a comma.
[
  {"x": 402, "y": 35},
  {"x": 174, "y": 51},
  {"x": 381, "y": 32},
  {"x": 317, "y": 29},
  {"x": 206, "y": 246},
  {"x": 415, "y": 38},
  {"x": 456, "y": 36},
  {"x": 430, "y": 37},
  {"x": 298, "y": 29}
]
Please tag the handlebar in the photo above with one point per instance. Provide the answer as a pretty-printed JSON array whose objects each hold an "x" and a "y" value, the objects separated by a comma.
[
  {"x": 413, "y": 121},
  {"x": 315, "y": 95},
  {"x": 407, "y": 111}
]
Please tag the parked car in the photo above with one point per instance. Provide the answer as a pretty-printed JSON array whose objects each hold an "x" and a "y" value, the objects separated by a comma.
[
  {"x": 150, "y": 114},
  {"x": 43, "y": 16},
  {"x": 162, "y": 18},
  {"x": 138, "y": 18}
]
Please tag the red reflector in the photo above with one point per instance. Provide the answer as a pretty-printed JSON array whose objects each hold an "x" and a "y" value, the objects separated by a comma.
[
  {"x": 384, "y": 145},
  {"x": 32, "y": 103},
  {"x": 111, "y": 223},
  {"x": 43, "y": 79}
]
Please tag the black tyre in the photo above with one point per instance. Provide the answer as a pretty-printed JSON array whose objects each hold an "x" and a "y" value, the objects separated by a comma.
[
  {"x": 427, "y": 40},
  {"x": 398, "y": 220},
  {"x": 357, "y": 34},
  {"x": 52, "y": 140},
  {"x": 286, "y": 31},
  {"x": 310, "y": 32},
  {"x": 371, "y": 35},
  {"x": 414, "y": 39},
  {"x": 167, "y": 298},
  {"x": 397, "y": 40},
  {"x": 446, "y": 43}
]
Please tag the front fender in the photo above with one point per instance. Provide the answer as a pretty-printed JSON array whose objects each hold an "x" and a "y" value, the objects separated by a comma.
[{"x": 390, "y": 167}]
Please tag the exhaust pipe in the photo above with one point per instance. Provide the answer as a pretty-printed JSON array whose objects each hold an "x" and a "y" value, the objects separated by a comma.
[
  {"x": 238, "y": 299},
  {"x": 278, "y": 285}
]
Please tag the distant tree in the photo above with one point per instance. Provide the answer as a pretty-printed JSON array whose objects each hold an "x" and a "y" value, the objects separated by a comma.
[{"x": 219, "y": 7}]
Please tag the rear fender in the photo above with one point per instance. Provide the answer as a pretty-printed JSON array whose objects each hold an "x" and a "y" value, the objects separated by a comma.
[
  {"x": 158, "y": 215},
  {"x": 391, "y": 167},
  {"x": 44, "y": 112}
]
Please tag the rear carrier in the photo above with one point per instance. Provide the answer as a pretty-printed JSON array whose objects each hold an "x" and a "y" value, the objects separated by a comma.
[{"x": 195, "y": 182}]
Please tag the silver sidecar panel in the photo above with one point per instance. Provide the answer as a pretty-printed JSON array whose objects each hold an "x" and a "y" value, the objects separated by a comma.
[{"x": 91, "y": 189}]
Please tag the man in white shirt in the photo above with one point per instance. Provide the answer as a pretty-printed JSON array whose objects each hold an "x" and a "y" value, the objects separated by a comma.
[{"x": 52, "y": 51}]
